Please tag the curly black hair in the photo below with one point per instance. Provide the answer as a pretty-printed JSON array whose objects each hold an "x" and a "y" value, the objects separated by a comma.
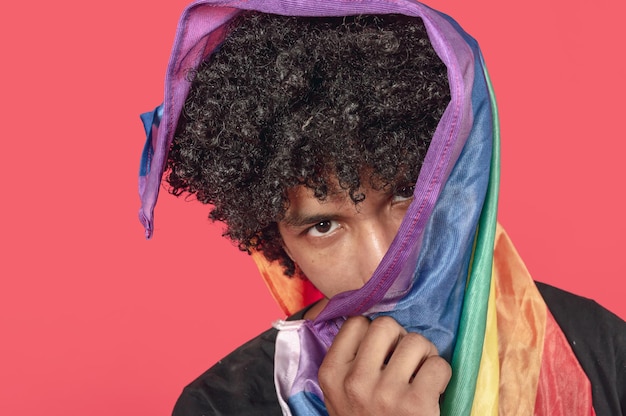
[{"x": 289, "y": 101}]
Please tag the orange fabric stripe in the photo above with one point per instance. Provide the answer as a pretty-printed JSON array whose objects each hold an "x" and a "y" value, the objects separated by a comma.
[
  {"x": 521, "y": 328},
  {"x": 291, "y": 293}
]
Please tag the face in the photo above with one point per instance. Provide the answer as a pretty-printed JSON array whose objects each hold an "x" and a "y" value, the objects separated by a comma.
[{"x": 337, "y": 244}]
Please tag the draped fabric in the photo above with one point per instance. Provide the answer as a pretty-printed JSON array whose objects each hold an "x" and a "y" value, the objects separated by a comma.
[{"x": 450, "y": 274}]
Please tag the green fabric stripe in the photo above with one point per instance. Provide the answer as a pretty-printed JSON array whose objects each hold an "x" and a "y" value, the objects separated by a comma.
[{"x": 459, "y": 395}]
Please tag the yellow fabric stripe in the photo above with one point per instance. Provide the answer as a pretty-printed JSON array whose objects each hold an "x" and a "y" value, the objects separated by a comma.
[{"x": 487, "y": 385}]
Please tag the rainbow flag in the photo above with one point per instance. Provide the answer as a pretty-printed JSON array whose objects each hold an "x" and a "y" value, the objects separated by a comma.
[{"x": 450, "y": 274}]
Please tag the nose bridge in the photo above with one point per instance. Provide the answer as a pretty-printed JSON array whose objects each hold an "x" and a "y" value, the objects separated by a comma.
[{"x": 376, "y": 236}]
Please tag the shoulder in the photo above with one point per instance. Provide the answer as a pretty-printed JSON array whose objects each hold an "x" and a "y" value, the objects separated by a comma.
[
  {"x": 242, "y": 383},
  {"x": 583, "y": 320},
  {"x": 598, "y": 339}
]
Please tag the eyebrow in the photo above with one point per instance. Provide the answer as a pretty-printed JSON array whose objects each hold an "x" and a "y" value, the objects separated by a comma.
[{"x": 300, "y": 220}]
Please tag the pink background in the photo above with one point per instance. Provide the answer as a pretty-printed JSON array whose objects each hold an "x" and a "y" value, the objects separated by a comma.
[{"x": 94, "y": 320}]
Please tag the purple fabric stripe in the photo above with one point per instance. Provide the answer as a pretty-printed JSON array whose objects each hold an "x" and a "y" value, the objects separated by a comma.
[{"x": 198, "y": 33}]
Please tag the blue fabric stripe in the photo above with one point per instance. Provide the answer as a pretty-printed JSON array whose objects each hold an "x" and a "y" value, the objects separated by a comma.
[
  {"x": 307, "y": 404},
  {"x": 149, "y": 119}
]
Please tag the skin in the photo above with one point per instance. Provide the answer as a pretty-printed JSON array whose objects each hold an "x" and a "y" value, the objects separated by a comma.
[
  {"x": 372, "y": 367},
  {"x": 336, "y": 244}
]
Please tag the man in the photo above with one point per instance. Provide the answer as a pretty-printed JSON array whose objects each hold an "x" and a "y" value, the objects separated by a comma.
[{"x": 359, "y": 153}]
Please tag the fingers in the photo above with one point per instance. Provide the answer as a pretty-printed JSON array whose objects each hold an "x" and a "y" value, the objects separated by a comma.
[
  {"x": 363, "y": 346},
  {"x": 346, "y": 344},
  {"x": 409, "y": 354},
  {"x": 417, "y": 373},
  {"x": 338, "y": 363},
  {"x": 378, "y": 368},
  {"x": 376, "y": 347},
  {"x": 432, "y": 377}
]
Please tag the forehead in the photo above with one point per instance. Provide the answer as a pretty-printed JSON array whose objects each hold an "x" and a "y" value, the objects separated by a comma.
[{"x": 302, "y": 198}]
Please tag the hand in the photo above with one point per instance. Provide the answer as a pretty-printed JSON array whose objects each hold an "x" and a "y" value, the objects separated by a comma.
[{"x": 378, "y": 368}]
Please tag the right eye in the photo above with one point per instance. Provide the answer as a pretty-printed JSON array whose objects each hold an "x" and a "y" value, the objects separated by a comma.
[
  {"x": 404, "y": 194},
  {"x": 322, "y": 228}
]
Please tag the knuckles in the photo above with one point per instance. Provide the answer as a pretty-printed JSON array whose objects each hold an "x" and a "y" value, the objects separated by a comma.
[
  {"x": 415, "y": 340},
  {"x": 439, "y": 371},
  {"x": 419, "y": 345},
  {"x": 328, "y": 378},
  {"x": 355, "y": 389},
  {"x": 440, "y": 366},
  {"x": 358, "y": 321},
  {"x": 387, "y": 323},
  {"x": 349, "y": 388}
]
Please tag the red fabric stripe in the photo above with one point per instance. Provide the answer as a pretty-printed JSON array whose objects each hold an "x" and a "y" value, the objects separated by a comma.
[{"x": 563, "y": 387}]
